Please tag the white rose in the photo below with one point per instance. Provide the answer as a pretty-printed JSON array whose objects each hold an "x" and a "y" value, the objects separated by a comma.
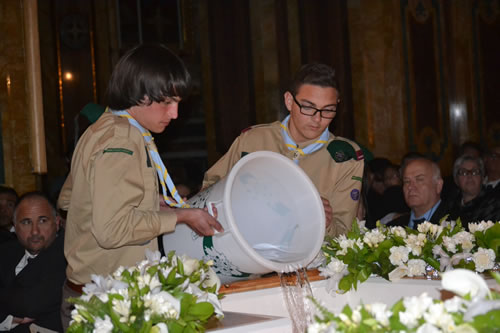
[
  {"x": 399, "y": 255},
  {"x": 399, "y": 231},
  {"x": 484, "y": 259},
  {"x": 190, "y": 265},
  {"x": 416, "y": 267}
]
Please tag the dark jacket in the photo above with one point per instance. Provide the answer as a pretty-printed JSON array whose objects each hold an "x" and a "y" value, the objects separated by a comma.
[
  {"x": 36, "y": 291},
  {"x": 486, "y": 206},
  {"x": 403, "y": 220}
]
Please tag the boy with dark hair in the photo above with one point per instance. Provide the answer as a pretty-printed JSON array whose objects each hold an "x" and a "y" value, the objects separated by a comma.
[
  {"x": 111, "y": 193},
  {"x": 334, "y": 164}
]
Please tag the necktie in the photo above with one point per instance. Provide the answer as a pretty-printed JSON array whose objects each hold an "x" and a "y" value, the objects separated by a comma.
[
  {"x": 165, "y": 179},
  {"x": 291, "y": 145},
  {"x": 416, "y": 222}
]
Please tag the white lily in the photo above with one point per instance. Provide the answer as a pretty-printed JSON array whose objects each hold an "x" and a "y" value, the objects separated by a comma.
[{"x": 463, "y": 282}]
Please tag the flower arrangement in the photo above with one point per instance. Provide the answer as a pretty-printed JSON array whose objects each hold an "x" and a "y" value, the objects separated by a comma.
[
  {"x": 160, "y": 294},
  {"x": 396, "y": 252},
  {"x": 475, "y": 309}
]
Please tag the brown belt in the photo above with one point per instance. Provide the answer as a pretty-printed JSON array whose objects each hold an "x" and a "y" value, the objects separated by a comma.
[{"x": 75, "y": 287}]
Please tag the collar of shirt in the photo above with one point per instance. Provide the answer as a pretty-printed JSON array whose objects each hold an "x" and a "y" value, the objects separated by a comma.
[
  {"x": 24, "y": 261},
  {"x": 426, "y": 216}
]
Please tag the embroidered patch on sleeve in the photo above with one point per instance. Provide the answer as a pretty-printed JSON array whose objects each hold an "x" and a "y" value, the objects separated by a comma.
[
  {"x": 355, "y": 195},
  {"x": 118, "y": 150},
  {"x": 357, "y": 178}
]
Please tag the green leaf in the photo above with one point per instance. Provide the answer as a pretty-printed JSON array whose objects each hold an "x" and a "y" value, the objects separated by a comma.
[
  {"x": 433, "y": 262},
  {"x": 345, "y": 283},
  {"x": 202, "y": 310},
  {"x": 364, "y": 274},
  {"x": 175, "y": 327},
  {"x": 180, "y": 266},
  {"x": 489, "y": 322}
]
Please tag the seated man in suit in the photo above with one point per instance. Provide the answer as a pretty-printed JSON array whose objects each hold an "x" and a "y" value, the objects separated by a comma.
[
  {"x": 8, "y": 199},
  {"x": 422, "y": 185},
  {"x": 32, "y": 268}
]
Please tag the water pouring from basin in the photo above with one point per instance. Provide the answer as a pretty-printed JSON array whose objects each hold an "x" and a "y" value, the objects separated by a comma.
[{"x": 272, "y": 215}]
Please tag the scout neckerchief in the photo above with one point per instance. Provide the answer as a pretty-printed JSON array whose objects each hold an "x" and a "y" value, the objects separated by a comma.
[
  {"x": 291, "y": 145},
  {"x": 160, "y": 167}
]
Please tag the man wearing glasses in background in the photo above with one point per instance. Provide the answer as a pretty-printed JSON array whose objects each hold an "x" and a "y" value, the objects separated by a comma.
[{"x": 334, "y": 164}]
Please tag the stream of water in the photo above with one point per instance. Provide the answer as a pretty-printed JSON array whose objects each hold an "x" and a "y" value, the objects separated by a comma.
[{"x": 296, "y": 291}]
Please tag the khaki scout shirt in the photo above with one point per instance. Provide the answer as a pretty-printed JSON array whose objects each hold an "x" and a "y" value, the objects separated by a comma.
[
  {"x": 111, "y": 196},
  {"x": 340, "y": 183}
]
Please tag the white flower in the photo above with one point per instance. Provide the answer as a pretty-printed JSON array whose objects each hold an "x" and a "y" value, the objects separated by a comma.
[
  {"x": 454, "y": 304},
  {"x": 424, "y": 227},
  {"x": 450, "y": 244},
  {"x": 118, "y": 273},
  {"x": 484, "y": 259},
  {"x": 322, "y": 328},
  {"x": 356, "y": 316},
  {"x": 416, "y": 267},
  {"x": 336, "y": 270},
  {"x": 463, "y": 282},
  {"x": 415, "y": 243},
  {"x": 345, "y": 318},
  {"x": 399, "y": 231},
  {"x": 466, "y": 239},
  {"x": 159, "y": 328},
  {"x": 122, "y": 307},
  {"x": 211, "y": 279},
  {"x": 437, "y": 315},
  {"x": 76, "y": 316},
  {"x": 103, "y": 325},
  {"x": 163, "y": 303},
  {"x": 428, "y": 328},
  {"x": 481, "y": 226},
  {"x": 415, "y": 307},
  {"x": 190, "y": 265},
  {"x": 399, "y": 255},
  {"x": 151, "y": 281},
  {"x": 380, "y": 312},
  {"x": 373, "y": 238},
  {"x": 153, "y": 257}
]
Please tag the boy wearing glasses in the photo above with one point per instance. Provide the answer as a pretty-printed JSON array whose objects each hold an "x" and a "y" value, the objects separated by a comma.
[{"x": 334, "y": 164}]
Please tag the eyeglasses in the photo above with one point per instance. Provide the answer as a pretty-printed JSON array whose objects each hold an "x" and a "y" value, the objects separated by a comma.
[
  {"x": 465, "y": 172},
  {"x": 311, "y": 111}
]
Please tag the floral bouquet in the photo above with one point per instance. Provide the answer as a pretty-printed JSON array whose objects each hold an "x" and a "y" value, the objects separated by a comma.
[
  {"x": 475, "y": 309},
  {"x": 160, "y": 294},
  {"x": 396, "y": 252}
]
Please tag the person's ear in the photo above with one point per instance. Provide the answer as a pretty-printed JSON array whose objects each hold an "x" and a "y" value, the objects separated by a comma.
[
  {"x": 288, "y": 98},
  {"x": 439, "y": 185}
]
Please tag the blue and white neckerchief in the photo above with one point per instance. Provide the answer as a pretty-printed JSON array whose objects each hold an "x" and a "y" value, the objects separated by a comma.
[
  {"x": 427, "y": 216},
  {"x": 160, "y": 167},
  {"x": 291, "y": 145}
]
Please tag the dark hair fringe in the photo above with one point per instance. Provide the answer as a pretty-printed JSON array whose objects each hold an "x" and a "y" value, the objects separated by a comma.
[{"x": 145, "y": 74}]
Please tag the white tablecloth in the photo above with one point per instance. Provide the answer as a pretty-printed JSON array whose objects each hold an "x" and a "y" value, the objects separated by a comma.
[{"x": 270, "y": 301}]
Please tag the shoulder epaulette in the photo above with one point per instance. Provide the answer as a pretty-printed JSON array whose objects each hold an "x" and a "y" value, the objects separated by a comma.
[
  {"x": 254, "y": 126},
  {"x": 343, "y": 150}
]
